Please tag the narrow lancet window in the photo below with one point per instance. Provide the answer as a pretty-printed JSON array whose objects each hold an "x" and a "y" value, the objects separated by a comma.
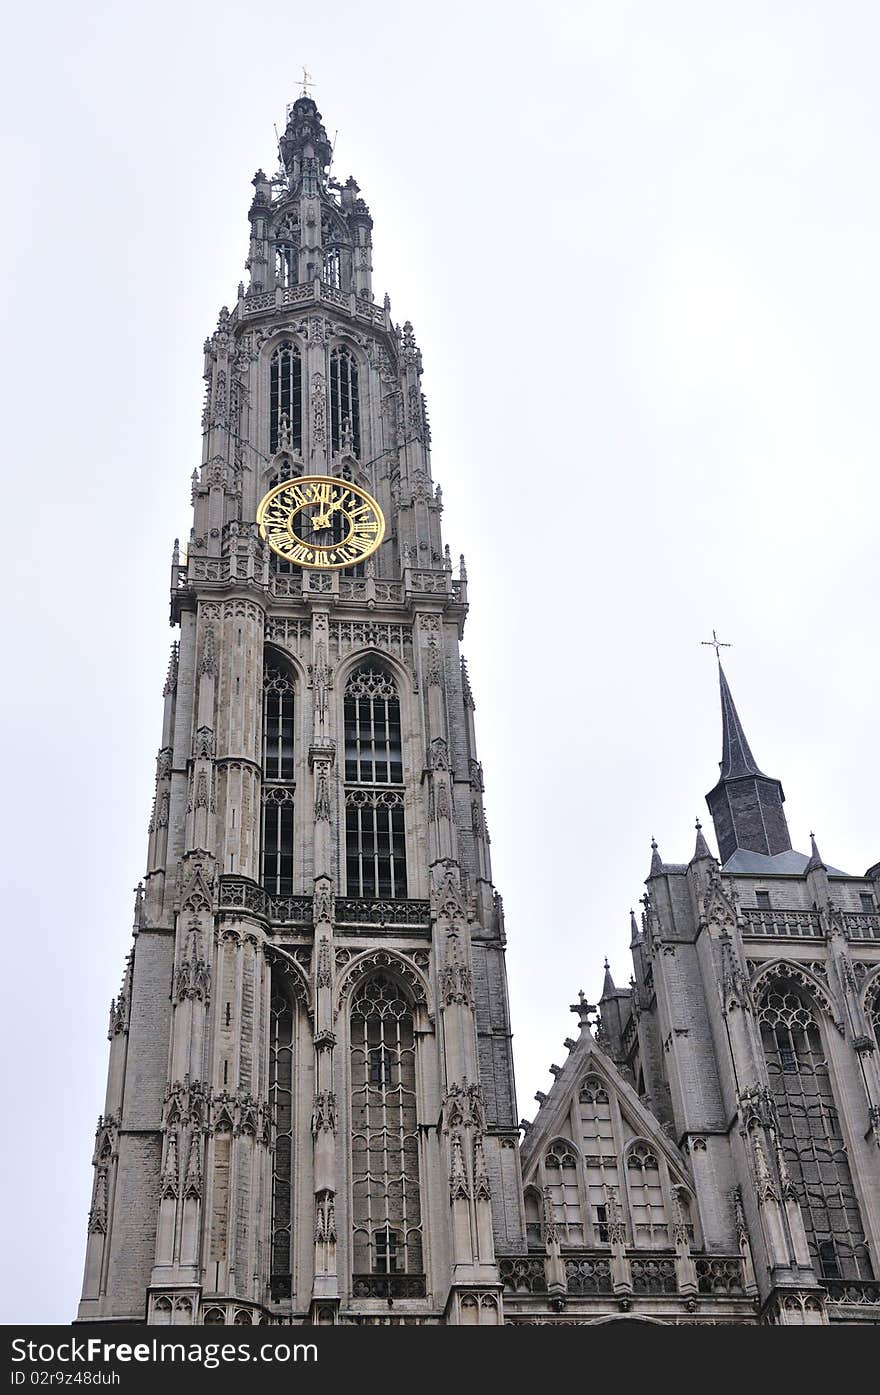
[
  {"x": 285, "y": 399},
  {"x": 375, "y": 843},
  {"x": 281, "y": 1076},
  {"x": 345, "y": 411},
  {"x": 279, "y": 782}
]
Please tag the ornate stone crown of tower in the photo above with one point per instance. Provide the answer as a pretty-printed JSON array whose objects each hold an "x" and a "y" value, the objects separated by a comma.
[{"x": 310, "y": 1110}]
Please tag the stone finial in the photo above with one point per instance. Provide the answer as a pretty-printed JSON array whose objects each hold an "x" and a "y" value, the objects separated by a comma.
[
  {"x": 656, "y": 860},
  {"x": 635, "y": 935},
  {"x": 815, "y": 863},
  {"x": 608, "y": 989},
  {"x": 701, "y": 848}
]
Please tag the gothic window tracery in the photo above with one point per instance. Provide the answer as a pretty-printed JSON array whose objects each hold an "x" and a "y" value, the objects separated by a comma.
[
  {"x": 285, "y": 399},
  {"x": 534, "y": 1230},
  {"x": 561, "y": 1177},
  {"x": 601, "y": 1169},
  {"x": 345, "y": 411},
  {"x": 375, "y": 842},
  {"x": 281, "y": 1076},
  {"x": 386, "y": 1213},
  {"x": 646, "y": 1198},
  {"x": 279, "y": 782},
  {"x": 810, "y": 1131}
]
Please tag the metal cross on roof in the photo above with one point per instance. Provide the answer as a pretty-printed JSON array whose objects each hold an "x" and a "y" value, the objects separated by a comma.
[
  {"x": 306, "y": 83},
  {"x": 716, "y": 644}
]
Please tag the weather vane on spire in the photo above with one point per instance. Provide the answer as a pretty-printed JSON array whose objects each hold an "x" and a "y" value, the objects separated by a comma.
[
  {"x": 306, "y": 83},
  {"x": 716, "y": 644}
]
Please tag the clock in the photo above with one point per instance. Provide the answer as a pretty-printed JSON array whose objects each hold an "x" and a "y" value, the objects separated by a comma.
[{"x": 321, "y": 522}]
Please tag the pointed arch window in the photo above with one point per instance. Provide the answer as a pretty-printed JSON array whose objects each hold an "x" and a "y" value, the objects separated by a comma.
[
  {"x": 345, "y": 410},
  {"x": 534, "y": 1213},
  {"x": 285, "y": 399},
  {"x": 562, "y": 1181},
  {"x": 601, "y": 1169},
  {"x": 386, "y": 1209},
  {"x": 281, "y": 1077},
  {"x": 375, "y": 841},
  {"x": 810, "y": 1131},
  {"x": 285, "y": 265},
  {"x": 647, "y": 1202},
  {"x": 332, "y": 268},
  {"x": 279, "y": 782}
]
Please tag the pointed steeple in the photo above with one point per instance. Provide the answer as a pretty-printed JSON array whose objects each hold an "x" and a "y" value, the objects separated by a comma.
[
  {"x": 736, "y": 756},
  {"x": 656, "y": 861},
  {"x": 746, "y": 804},
  {"x": 608, "y": 989},
  {"x": 635, "y": 937},
  {"x": 815, "y": 863},
  {"x": 701, "y": 848}
]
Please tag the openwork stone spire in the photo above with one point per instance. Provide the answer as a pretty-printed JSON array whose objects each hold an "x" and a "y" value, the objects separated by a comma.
[{"x": 304, "y": 147}]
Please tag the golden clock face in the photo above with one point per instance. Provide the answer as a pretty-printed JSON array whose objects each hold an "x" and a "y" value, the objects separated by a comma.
[{"x": 321, "y": 522}]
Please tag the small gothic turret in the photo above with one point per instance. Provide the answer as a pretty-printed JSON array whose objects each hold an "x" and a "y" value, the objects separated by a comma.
[
  {"x": 746, "y": 804},
  {"x": 701, "y": 847}
]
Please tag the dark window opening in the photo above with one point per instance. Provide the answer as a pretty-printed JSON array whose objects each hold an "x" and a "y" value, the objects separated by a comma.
[
  {"x": 285, "y": 399},
  {"x": 345, "y": 411},
  {"x": 828, "y": 1260},
  {"x": 762, "y": 900}
]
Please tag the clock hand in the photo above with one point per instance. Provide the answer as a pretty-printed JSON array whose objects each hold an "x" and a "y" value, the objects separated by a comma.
[{"x": 324, "y": 520}]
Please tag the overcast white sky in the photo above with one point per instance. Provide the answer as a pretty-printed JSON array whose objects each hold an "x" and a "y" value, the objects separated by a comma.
[{"x": 638, "y": 243}]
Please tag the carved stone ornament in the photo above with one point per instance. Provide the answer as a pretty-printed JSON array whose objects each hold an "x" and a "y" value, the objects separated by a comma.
[
  {"x": 458, "y": 1182},
  {"x": 324, "y": 1113},
  {"x": 455, "y": 984},
  {"x": 203, "y": 746},
  {"x": 197, "y": 893},
  {"x": 322, "y": 791},
  {"x": 324, "y": 967},
  {"x": 438, "y": 756},
  {"x": 463, "y": 1107},
  {"x": 482, "y": 1189},
  {"x": 319, "y": 410},
  {"x": 208, "y": 665},
  {"x": 322, "y": 906}
]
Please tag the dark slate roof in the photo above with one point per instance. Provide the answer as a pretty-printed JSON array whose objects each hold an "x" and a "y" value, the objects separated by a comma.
[
  {"x": 736, "y": 757},
  {"x": 784, "y": 864}
]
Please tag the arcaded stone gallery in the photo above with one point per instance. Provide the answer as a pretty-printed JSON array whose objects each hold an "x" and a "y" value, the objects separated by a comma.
[{"x": 310, "y": 1111}]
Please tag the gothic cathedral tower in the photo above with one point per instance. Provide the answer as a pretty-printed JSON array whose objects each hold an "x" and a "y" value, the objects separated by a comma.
[{"x": 310, "y": 1110}]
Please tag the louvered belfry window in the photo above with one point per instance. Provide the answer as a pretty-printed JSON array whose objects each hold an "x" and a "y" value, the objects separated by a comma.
[
  {"x": 285, "y": 399},
  {"x": 812, "y": 1139},
  {"x": 375, "y": 843},
  {"x": 279, "y": 782},
  {"x": 345, "y": 409}
]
